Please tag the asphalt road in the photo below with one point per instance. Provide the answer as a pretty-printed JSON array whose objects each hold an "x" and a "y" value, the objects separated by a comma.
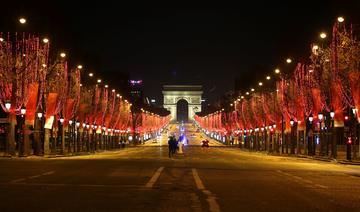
[{"x": 202, "y": 179}]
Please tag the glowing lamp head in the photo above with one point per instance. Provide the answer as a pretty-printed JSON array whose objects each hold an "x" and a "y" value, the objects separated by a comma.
[
  {"x": 252, "y": 89},
  {"x": 268, "y": 77},
  {"x": 260, "y": 83},
  {"x": 62, "y": 120},
  {"x": 346, "y": 118},
  {"x": 91, "y": 74},
  {"x": 1, "y": 39},
  {"x": 39, "y": 115},
  {"x": 274, "y": 126},
  {"x": 70, "y": 122},
  {"x": 77, "y": 124},
  {"x": 8, "y": 105},
  {"x": 22, "y": 20},
  {"x": 277, "y": 71},
  {"x": 332, "y": 114},
  {"x": 288, "y": 60},
  {"x": 323, "y": 35},
  {"x": 23, "y": 110},
  {"x": 87, "y": 126},
  {"x": 83, "y": 125},
  {"x": 340, "y": 19},
  {"x": 62, "y": 54},
  {"x": 311, "y": 118},
  {"x": 292, "y": 122},
  {"x": 106, "y": 86},
  {"x": 320, "y": 116},
  {"x": 45, "y": 40},
  {"x": 79, "y": 66},
  {"x": 315, "y": 47},
  {"x": 99, "y": 81}
]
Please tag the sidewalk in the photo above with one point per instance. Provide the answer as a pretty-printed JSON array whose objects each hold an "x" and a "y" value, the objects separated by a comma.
[{"x": 315, "y": 157}]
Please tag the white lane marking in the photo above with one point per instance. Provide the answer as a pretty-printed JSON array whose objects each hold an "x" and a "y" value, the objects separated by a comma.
[
  {"x": 17, "y": 180},
  {"x": 211, "y": 199},
  {"x": 32, "y": 177},
  {"x": 197, "y": 179},
  {"x": 48, "y": 173},
  {"x": 35, "y": 176},
  {"x": 302, "y": 179},
  {"x": 154, "y": 178}
]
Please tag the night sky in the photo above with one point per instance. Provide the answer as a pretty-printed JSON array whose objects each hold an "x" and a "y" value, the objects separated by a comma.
[{"x": 208, "y": 44}]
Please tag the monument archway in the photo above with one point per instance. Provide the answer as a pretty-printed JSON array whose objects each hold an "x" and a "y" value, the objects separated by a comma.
[{"x": 175, "y": 93}]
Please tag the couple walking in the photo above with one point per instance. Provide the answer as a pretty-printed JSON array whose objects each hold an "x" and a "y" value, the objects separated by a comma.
[{"x": 173, "y": 145}]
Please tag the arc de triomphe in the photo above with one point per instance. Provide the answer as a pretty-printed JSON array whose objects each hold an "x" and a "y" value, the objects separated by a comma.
[{"x": 190, "y": 93}]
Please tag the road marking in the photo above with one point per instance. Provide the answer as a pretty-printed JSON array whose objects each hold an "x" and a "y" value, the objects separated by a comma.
[
  {"x": 154, "y": 178},
  {"x": 35, "y": 176},
  {"x": 302, "y": 179},
  {"x": 17, "y": 180},
  {"x": 197, "y": 179},
  {"x": 32, "y": 177},
  {"x": 48, "y": 173},
  {"x": 211, "y": 199}
]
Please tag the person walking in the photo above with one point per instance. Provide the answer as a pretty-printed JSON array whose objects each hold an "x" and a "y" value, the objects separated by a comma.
[{"x": 170, "y": 144}]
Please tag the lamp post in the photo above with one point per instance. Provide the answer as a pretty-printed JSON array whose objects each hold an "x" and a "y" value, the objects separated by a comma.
[
  {"x": 61, "y": 120},
  {"x": 21, "y": 140},
  {"x": 310, "y": 138},
  {"x": 333, "y": 136},
  {"x": 292, "y": 150},
  {"x": 321, "y": 140}
]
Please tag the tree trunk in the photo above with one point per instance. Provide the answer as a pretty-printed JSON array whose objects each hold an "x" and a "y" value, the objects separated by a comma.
[
  {"x": 10, "y": 146},
  {"x": 47, "y": 150}
]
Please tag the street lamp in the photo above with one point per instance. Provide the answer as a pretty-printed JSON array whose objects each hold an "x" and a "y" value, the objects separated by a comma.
[
  {"x": 277, "y": 71},
  {"x": 260, "y": 83},
  {"x": 323, "y": 35},
  {"x": 45, "y": 40},
  {"x": 70, "y": 122},
  {"x": 268, "y": 77},
  {"x": 292, "y": 122},
  {"x": 332, "y": 114},
  {"x": 77, "y": 124},
  {"x": 39, "y": 115},
  {"x": 288, "y": 60},
  {"x": 22, "y": 20},
  {"x": 91, "y": 74},
  {"x": 62, "y": 54},
  {"x": 311, "y": 118},
  {"x": 79, "y": 66},
  {"x": 340, "y": 19},
  {"x": 23, "y": 110},
  {"x": 8, "y": 105},
  {"x": 61, "y": 120}
]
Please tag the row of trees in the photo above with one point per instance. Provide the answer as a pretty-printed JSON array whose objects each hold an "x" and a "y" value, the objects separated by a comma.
[
  {"x": 312, "y": 109},
  {"x": 47, "y": 101}
]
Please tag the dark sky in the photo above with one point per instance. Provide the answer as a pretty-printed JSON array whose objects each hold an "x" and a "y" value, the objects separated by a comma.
[{"x": 207, "y": 44}]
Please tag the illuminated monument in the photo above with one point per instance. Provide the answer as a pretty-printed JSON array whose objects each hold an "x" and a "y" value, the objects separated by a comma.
[{"x": 190, "y": 95}]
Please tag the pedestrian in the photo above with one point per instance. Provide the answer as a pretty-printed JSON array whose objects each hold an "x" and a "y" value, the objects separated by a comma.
[{"x": 171, "y": 146}]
